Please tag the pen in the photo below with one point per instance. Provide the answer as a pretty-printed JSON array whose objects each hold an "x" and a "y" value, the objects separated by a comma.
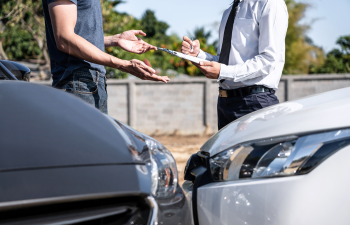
[{"x": 191, "y": 44}]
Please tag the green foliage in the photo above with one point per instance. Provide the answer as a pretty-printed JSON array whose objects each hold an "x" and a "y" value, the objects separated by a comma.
[
  {"x": 301, "y": 54},
  {"x": 344, "y": 43},
  {"x": 338, "y": 60},
  {"x": 153, "y": 27},
  {"x": 22, "y": 36},
  {"x": 115, "y": 22},
  {"x": 19, "y": 43},
  {"x": 202, "y": 35},
  {"x": 23, "y": 31}
]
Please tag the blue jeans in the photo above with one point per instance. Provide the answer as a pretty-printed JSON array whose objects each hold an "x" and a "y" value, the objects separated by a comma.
[
  {"x": 89, "y": 85},
  {"x": 230, "y": 109}
]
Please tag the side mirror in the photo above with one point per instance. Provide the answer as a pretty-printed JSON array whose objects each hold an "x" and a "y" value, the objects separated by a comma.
[{"x": 17, "y": 70}]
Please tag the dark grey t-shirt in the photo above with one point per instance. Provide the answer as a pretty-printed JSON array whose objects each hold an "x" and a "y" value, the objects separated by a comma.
[{"x": 89, "y": 26}]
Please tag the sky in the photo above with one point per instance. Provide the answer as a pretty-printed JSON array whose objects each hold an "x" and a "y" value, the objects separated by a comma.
[{"x": 329, "y": 18}]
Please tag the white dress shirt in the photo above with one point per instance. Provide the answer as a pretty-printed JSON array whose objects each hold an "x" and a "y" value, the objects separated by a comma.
[{"x": 257, "y": 53}]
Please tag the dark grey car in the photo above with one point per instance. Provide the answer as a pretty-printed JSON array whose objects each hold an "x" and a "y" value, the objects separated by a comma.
[{"x": 64, "y": 162}]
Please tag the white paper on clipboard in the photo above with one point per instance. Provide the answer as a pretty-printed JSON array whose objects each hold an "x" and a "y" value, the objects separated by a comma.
[{"x": 183, "y": 56}]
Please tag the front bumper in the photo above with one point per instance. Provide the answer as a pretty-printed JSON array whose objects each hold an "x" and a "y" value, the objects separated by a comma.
[
  {"x": 320, "y": 197},
  {"x": 174, "y": 211},
  {"x": 187, "y": 187}
]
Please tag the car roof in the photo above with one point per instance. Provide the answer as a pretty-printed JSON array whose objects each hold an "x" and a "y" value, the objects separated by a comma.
[{"x": 45, "y": 127}]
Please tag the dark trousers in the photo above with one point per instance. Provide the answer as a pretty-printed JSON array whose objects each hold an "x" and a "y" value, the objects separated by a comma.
[
  {"x": 232, "y": 108},
  {"x": 88, "y": 85}
]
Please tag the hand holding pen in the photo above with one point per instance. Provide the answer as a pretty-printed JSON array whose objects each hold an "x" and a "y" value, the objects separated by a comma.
[{"x": 190, "y": 47}]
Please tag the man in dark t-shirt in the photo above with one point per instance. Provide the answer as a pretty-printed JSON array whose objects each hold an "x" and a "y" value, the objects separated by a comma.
[{"x": 76, "y": 43}]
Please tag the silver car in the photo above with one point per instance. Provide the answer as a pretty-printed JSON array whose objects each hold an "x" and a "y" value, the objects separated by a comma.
[{"x": 286, "y": 164}]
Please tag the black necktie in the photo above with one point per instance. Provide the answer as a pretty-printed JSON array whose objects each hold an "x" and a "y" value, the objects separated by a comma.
[{"x": 226, "y": 43}]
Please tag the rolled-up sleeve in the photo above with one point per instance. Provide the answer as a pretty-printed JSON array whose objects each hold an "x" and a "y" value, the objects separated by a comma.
[{"x": 271, "y": 38}]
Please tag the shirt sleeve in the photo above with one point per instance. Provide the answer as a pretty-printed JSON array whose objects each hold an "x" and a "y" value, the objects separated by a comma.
[
  {"x": 264, "y": 63},
  {"x": 73, "y": 1},
  {"x": 207, "y": 56}
]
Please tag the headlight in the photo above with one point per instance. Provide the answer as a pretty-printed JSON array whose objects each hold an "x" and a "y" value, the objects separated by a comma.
[
  {"x": 164, "y": 172},
  {"x": 283, "y": 156}
]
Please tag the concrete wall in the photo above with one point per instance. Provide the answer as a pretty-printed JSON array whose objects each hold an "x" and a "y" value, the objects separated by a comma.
[{"x": 188, "y": 106}]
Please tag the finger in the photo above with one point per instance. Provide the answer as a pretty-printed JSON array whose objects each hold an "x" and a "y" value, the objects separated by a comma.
[
  {"x": 142, "y": 49},
  {"x": 183, "y": 48},
  {"x": 185, "y": 51},
  {"x": 139, "y": 50},
  {"x": 186, "y": 44},
  {"x": 205, "y": 63},
  {"x": 160, "y": 78},
  {"x": 165, "y": 81},
  {"x": 151, "y": 77},
  {"x": 187, "y": 39},
  {"x": 167, "y": 78},
  {"x": 146, "y": 75},
  {"x": 195, "y": 43},
  {"x": 148, "y": 69},
  {"x": 154, "y": 77},
  {"x": 143, "y": 68},
  {"x": 139, "y": 32},
  {"x": 146, "y": 47},
  {"x": 149, "y": 47}
]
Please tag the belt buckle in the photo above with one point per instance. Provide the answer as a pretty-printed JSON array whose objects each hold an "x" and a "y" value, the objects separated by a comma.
[
  {"x": 257, "y": 90},
  {"x": 223, "y": 93}
]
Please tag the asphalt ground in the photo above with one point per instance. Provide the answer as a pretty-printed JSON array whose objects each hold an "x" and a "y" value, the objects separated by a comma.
[{"x": 182, "y": 147}]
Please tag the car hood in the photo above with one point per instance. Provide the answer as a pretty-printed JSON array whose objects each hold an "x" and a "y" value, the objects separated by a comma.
[
  {"x": 42, "y": 127},
  {"x": 326, "y": 111}
]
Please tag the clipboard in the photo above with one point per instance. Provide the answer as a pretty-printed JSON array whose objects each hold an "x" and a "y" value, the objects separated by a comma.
[{"x": 183, "y": 56}]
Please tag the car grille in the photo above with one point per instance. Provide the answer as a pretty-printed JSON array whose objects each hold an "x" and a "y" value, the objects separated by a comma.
[{"x": 109, "y": 211}]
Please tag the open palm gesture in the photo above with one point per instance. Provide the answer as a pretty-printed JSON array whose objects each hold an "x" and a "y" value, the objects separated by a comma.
[{"x": 128, "y": 41}]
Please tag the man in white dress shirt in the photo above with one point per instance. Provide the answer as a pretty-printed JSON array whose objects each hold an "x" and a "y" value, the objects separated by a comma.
[{"x": 250, "y": 60}]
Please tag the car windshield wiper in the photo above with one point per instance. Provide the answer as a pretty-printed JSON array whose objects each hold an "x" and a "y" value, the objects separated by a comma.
[{"x": 6, "y": 73}]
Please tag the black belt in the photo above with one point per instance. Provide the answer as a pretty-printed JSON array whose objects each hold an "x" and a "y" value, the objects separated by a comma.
[{"x": 239, "y": 92}]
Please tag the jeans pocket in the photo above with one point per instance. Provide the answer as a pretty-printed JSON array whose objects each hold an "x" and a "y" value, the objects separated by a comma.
[
  {"x": 87, "y": 86},
  {"x": 65, "y": 86},
  {"x": 105, "y": 79}
]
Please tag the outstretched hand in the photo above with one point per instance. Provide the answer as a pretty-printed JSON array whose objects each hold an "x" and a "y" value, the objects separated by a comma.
[
  {"x": 142, "y": 71},
  {"x": 131, "y": 35},
  {"x": 128, "y": 41}
]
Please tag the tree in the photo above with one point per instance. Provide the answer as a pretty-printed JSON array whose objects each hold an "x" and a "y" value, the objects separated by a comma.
[
  {"x": 2, "y": 52},
  {"x": 338, "y": 60},
  {"x": 344, "y": 43},
  {"x": 301, "y": 53},
  {"x": 153, "y": 27},
  {"x": 200, "y": 34},
  {"x": 23, "y": 35}
]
